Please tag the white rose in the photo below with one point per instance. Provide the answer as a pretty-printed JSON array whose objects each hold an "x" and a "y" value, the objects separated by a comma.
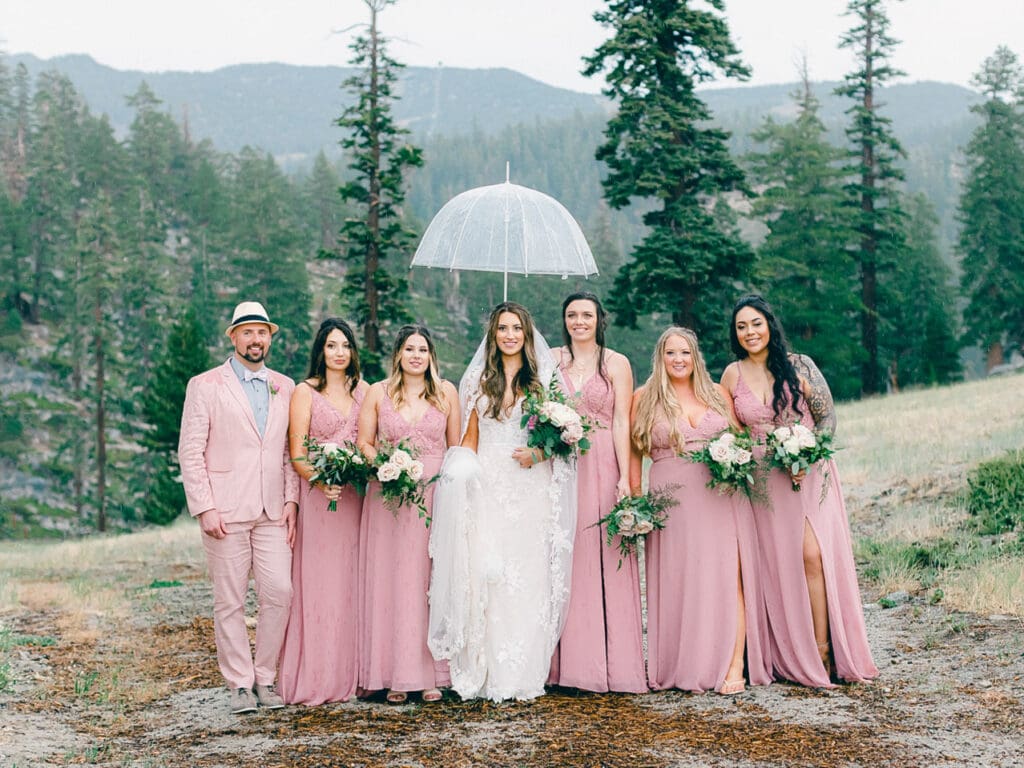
[
  {"x": 388, "y": 472},
  {"x": 330, "y": 449},
  {"x": 743, "y": 456},
  {"x": 416, "y": 470},
  {"x": 400, "y": 459},
  {"x": 559, "y": 414},
  {"x": 791, "y": 446},
  {"x": 644, "y": 526},
  {"x": 728, "y": 438},
  {"x": 782, "y": 434},
  {"x": 719, "y": 451},
  {"x": 572, "y": 434},
  {"x": 626, "y": 522},
  {"x": 357, "y": 459},
  {"x": 805, "y": 436}
]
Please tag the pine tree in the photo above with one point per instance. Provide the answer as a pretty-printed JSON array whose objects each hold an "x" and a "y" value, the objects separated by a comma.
[
  {"x": 921, "y": 329},
  {"x": 661, "y": 146},
  {"x": 182, "y": 355},
  {"x": 804, "y": 263},
  {"x": 991, "y": 211},
  {"x": 874, "y": 191},
  {"x": 380, "y": 155}
]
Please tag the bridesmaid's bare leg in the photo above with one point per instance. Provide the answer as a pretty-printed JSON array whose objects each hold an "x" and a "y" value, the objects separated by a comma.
[
  {"x": 815, "y": 575},
  {"x": 734, "y": 676}
]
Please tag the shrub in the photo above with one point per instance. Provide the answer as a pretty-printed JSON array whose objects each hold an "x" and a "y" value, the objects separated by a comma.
[{"x": 995, "y": 495}]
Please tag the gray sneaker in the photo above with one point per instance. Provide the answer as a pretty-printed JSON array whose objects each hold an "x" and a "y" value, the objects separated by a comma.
[
  {"x": 242, "y": 701},
  {"x": 268, "y": 697}
]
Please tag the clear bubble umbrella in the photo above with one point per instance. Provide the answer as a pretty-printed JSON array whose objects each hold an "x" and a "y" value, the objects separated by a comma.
[{"x": 506, "y": 228}]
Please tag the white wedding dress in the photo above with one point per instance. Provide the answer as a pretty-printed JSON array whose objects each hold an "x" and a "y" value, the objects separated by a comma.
[{"x": 501, "y": 543}]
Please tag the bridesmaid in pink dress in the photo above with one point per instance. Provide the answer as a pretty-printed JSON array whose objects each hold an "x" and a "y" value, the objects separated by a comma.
[
  {"x": 705, "y": 608},
  {"x": 601, "y": 647},
  {"x": 320, "y": 653},
  {"x": 416, "y": 404},
  {"x": 815, "y": 616}
]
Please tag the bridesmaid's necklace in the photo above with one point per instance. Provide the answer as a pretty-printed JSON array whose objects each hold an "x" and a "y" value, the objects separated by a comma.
[{"x": 581, "y": 367}]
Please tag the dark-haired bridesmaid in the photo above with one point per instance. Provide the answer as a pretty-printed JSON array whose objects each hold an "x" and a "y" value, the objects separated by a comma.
[
  {"x": 815, "y": 617},
  {"x": 601, "y": 648},
  {"x": 319, "y": 656},
  {"x": 415, "y": 404}
]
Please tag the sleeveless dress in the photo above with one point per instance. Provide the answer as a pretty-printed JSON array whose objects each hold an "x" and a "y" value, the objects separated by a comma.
[
  {"x": 320, "y": 653},
  {"x": 499, "y": 589},
  {"x": 602, "y": 643},
  {"x": 395, "y": 569},
  {"x": 780, "y": 531},
  {"x": 692, "y": 572}
]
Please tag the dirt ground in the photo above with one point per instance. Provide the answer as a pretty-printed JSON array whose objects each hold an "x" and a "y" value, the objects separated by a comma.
[{"x": 141, "y": 688}]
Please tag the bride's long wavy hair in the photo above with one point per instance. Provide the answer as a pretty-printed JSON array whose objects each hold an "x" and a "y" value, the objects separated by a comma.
[
  {"x": 658, "y": 399},
  {"x": 492, "y": 380}
]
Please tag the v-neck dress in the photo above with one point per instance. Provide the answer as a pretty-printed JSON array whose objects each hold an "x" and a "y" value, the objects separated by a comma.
[
  {"x": 395, "y": 569},
  {"x": 601, "y": 648},
  {"x": 320, "y": 653},
  {"x": 693, "y": 564},
  {"x": 780, "y": 531}
]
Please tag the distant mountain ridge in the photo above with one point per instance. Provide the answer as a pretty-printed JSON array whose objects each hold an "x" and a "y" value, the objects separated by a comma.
[{"x": 290, "y": 110}]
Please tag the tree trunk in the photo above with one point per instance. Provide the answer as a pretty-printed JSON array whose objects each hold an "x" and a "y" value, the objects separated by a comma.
[
  {"x": 994, "y": 357},
  {"x": 101, "y": 438}
]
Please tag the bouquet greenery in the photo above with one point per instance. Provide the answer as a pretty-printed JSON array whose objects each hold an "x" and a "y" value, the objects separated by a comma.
[
  {"x": 730, "y": 460},
  {"x": 400, "y": 475},
  {"x": 554, "y": 425},
  {"x": 796, "y": 449},
  {"x": 635, "y": 516},
  {"x": 336, "y": 464}
]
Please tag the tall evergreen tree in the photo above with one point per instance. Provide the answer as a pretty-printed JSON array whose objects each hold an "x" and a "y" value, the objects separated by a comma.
[
  {"x": 991, "y": 211},
  {"x": 874, "y": 190},
  {"x": 804, "y": 263},
  {"x": 660, "y": 145},
  {"x": 182, "y": 355},
  {"x": 921, "y": 329},
  {"x": 380, "y": 155}
]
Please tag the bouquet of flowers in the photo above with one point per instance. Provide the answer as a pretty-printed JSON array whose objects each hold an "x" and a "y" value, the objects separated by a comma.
[
  {"x": 635, "y": 516},
  {"x": 730, "y": 460},
  {"x": 796, "y": 449},
  {"x": 554, "y": 425},
  {"x": 335, "y": 464},
  {"x": 401, "y": 477}
]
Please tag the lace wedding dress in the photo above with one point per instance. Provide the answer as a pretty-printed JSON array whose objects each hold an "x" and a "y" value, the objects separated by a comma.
[{"x": 501, "y": 543}]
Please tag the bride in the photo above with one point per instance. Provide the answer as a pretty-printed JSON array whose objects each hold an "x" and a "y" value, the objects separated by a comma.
[{"x": 504, "y": 518}]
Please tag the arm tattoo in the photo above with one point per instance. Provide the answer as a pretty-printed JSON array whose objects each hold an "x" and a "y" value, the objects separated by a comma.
[{"x": 819, "y": 399}]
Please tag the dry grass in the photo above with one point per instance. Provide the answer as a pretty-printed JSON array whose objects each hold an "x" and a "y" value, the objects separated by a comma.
[
  {"x": 904, "y": 439},
  {"x": 990, "y": 586}
]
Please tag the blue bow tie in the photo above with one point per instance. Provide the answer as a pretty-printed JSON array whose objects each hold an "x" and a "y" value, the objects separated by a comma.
[{"x": 261, "y": 374}]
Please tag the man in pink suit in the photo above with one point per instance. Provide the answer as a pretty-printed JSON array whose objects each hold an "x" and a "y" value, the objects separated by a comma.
[{"x": 240, "y": 483}]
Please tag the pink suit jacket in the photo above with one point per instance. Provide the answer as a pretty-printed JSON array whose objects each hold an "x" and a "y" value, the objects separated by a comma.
[{"x": 225, "y": 464}]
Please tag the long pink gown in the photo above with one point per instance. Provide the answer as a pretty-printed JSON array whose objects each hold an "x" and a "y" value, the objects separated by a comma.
[
  {"x": 320, "y": 653},
  {"x": 601, "y": 648},
  {"x": 692, "y": 572},
  {"x": 395, "y": 570},
  {"x": 780, "y": 530}
]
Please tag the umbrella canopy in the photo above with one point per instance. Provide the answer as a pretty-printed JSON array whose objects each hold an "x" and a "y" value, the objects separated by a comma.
[{"x": 506, "y": 228}]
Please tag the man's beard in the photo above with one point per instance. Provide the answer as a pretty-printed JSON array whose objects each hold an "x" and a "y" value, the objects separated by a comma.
[{"x": 259, "y": 358}]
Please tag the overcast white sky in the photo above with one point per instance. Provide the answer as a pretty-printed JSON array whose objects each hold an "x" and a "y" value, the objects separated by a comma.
[{"x": 941, "y": 39}]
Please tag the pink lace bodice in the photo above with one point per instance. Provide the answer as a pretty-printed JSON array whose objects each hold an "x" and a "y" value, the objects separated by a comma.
[
  {"x": 326, "y": 424},
  {"x": 760, "y": 417},
  {"x": 710, "y": 424},
  {"x": 427, "y": 435},
  {"x": 596, "y": 398}
]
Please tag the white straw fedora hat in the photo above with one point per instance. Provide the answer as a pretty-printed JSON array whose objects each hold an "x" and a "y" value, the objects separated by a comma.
[{"x": 249, "y": 312}]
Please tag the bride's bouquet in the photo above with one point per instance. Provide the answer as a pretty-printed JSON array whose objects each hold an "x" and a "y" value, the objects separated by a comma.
[
  {"x": 730, "y": 461},
  {"x": 336, "y": 464},
  {"x": 554, "y": 425},
  {"x": 400, "y": 475},
  {"x": 633, "y": 517},
  {"x": 796, "y": 449}
]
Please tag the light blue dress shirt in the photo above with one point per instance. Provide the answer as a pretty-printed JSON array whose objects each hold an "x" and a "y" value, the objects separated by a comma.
[{"x": 258, "y": 393}]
